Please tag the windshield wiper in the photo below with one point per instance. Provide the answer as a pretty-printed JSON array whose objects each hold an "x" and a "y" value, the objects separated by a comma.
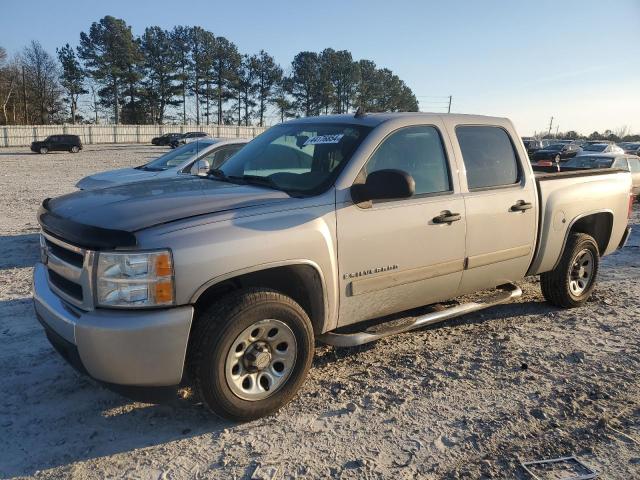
[
  {"x": 147, "y": 168},
  {"x": 260, "y": 181},
  {"x": 217, "y": 174}
]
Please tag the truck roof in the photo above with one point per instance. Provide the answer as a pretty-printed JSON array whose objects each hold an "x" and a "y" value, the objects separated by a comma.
[{"x": 374, "y": 119}]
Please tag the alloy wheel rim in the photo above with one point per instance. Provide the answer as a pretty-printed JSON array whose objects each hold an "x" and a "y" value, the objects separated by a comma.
[
  {"x": 581, "y": 273},
  {"x": 260, "y": 360}
]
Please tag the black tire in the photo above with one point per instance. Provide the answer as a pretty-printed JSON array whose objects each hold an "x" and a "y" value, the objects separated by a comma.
[
  {"x": 213, "y": 335},
  {"x": 43, "y": 150},
  {"x": 555, "y": 284}
]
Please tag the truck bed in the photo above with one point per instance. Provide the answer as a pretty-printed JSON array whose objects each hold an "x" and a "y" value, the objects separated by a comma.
[{"x": 566, "y": 196}]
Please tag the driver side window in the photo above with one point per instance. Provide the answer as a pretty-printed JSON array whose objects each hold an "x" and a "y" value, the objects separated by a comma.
[{"x": 417, "y": 151}]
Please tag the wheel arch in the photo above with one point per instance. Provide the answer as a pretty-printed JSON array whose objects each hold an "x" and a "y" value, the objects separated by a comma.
[
  {"x": 599, "y": 225},
  {"x": 302, "y": 280}
]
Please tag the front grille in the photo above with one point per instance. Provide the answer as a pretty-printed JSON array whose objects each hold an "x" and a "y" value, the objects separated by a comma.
[
  {"x": 68, "y": 256},
  {"x": 67, "y": 286},
  {"x": 70, "y": 269}
]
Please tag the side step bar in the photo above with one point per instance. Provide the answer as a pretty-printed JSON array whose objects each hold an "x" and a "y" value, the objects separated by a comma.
[{"x": 504, "y": 294}]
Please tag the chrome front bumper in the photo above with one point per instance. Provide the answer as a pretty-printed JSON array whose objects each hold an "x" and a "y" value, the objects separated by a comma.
[{"x": 144, "y": 348}]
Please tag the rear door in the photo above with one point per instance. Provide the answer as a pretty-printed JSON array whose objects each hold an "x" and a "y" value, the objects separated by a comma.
[
  {"x": 501, "y": 207},
  {"x": 392, "y": 255},
  {"x": 56, "y": 143}
]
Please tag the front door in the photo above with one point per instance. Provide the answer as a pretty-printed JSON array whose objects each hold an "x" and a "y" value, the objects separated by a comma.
[
  {"x": 392, "y": 254},
  {"x": 501, "y": 208}
]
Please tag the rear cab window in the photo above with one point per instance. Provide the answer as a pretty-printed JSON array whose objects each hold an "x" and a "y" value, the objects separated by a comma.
[{"x": 489, "y": 157}]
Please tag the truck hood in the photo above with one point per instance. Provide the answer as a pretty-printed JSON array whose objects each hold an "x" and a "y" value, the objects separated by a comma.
[
  {"x": 113, "y": 177},
  {"x": 136, "y": 206}
]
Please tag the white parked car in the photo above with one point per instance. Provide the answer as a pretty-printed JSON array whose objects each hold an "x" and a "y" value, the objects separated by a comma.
[
  {"x": 195, "y": 158},
  {"x": 598, "y": 148}
]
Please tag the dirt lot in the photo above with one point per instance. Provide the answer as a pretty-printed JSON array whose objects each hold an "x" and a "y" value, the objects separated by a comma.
[{"x": 465, "y": 399}]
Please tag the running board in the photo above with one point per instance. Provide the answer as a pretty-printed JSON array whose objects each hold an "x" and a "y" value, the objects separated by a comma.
[{"x": 504, "y": 294}]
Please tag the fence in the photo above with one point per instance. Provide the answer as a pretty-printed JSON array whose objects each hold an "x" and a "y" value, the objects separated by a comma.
[{"x": 23, "y": 135}]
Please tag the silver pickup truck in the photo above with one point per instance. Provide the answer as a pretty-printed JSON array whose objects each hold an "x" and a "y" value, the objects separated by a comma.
[{"x": 319, "y": 224}]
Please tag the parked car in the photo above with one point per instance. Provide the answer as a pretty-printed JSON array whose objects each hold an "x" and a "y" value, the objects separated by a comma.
[
  {"x": 630, "y": 148},
  {"x": 532, "y": 145},
  {"x": 58, "y": 143},
  {"x": 187, "y": 138},
  {"x": 609, "y": 160},
  {"x": 556, "y": 152},
  {"x": 232, "y": 277},
  {"x": 165, "y": 140},
  {"x": 195, "y": 158},
  {"x": 598, "y": 148}
]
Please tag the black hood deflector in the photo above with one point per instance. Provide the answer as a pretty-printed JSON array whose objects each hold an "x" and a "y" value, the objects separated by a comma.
[{"x": 86, "y": 236}]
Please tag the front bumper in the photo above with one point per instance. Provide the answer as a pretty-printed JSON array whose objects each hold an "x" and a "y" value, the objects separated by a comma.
[{"x": 141, "y": 348}]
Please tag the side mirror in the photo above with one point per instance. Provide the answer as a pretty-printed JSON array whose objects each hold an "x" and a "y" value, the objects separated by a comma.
[
  {"x": 384, "y": 185},
  {"x": 200, "y": 168},
  {"x": 301, "y": 140}
]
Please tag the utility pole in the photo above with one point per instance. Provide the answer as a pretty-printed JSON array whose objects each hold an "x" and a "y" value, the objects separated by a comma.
[
  {"x": 450, "y": 98},
  {"x": 557, "y": 128},
  {"x": 24, "y": 96},
  {"x": 550, "y": 125}
]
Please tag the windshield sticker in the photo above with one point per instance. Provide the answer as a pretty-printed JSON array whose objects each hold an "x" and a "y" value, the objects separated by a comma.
[{"x": 324, "y": 139}]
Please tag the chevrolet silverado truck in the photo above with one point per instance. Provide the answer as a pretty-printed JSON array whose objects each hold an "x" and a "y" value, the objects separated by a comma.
[{"x": 312, "y": 231}]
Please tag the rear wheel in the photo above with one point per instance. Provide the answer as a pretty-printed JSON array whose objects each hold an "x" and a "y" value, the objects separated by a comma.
[
  {"x": 75, "y": 149},
  {"x": 570, "y": 284},
  {"x": 43, "y": 150},
  {"x": 250, "y": 353}
]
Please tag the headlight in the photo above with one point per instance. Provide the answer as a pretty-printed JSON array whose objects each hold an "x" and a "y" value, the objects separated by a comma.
[{"x": 135, "y": 279}]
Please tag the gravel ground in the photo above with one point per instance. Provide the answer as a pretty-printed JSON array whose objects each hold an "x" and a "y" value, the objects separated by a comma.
[{"x": 468, "y": 398}]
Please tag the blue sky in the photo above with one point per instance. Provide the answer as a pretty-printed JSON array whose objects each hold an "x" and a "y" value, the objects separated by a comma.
[{"x": 527, "y": 60}]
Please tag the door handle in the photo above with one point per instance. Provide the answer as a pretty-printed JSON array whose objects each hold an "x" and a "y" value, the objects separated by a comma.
[
  {"x": 447, "y": 217},
  {"x": 521, "y": 206}
]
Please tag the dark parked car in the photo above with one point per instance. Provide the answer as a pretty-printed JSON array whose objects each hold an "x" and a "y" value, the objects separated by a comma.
[
  {"x": 532, "y": 145},
  {"x": 556, "y": 152},
  {"x": 187, "y": 138},
  {"x": 58, "y": 143},
  {"x": 630, "y": 148},
  {"x": 166, "y": 139}
]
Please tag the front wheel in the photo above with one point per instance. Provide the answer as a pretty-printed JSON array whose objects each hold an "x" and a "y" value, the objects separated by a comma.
[
  {"x": 44, "y": 150},
  {"x": 250, "y": 353},
  {"x": 570, "y": 284}
]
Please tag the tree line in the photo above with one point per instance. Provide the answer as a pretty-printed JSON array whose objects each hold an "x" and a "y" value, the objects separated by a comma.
[
  {"x": 620, "y": 134},
  {"x": 182, "y": 74}
]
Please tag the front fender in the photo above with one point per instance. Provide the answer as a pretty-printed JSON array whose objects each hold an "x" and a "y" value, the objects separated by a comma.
[{"x": 211, "y": 249}]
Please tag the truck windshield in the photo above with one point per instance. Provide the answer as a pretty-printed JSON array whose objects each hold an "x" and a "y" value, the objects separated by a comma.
[
  {"x": 176, "y": 157},
  {"x": 301, "y": 158}
]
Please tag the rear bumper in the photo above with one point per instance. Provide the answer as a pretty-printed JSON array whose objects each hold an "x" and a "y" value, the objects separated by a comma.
[
  {"x": 122, "y": 348},
  {"x": 625, "y": 237}
]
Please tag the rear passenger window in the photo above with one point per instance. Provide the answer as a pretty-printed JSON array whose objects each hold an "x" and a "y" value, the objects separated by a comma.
[
  {"x": 634, "y": 165},
  {"x": 417, "y": 151},
  {"x": 488, "y": 156}
]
